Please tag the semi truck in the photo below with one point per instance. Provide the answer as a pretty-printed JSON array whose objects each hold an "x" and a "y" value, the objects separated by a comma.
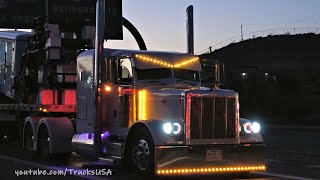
[{"x": 62, "y": 92}]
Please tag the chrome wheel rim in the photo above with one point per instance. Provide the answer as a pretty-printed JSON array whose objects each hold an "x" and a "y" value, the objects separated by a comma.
[{"x": 141, "y": 155}]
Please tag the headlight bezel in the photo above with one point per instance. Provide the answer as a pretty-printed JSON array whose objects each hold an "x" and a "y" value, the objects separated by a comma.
[
  {"x": 172, "y": 128},
  {"x": 250, "y": 128}
]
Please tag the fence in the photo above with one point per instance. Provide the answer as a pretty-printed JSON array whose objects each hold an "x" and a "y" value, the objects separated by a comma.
[{"x": 261, "y": 33}]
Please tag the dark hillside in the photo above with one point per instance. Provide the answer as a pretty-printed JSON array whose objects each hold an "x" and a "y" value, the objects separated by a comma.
[{"x": 277, "y": 77}]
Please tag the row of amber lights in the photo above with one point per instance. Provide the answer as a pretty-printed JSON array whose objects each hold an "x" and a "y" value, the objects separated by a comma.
[
  {"x": 211, "y": 170},
  {"x": 166, "y": 64},
  {"x": 142, "y": 105}
]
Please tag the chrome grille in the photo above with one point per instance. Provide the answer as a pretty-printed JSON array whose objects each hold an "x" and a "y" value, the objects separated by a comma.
[{"x": 212, "y": 117}]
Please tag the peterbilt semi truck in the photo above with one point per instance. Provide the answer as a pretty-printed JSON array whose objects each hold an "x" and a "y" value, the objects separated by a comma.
[{"x": 143, "y": 110}]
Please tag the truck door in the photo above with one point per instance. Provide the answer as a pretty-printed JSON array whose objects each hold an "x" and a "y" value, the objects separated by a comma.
[
  {"x": 125, "y": 92},
  {"x": 119, "y": 101}
]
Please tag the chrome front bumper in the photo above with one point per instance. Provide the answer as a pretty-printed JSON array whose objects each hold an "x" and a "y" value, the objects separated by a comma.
[{"x": 192, "y": 159}]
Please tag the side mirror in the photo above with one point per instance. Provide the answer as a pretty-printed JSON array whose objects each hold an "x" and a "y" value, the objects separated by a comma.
[
  {"x": 219, "y": 74},
  {"x": 212, "y": 74}
]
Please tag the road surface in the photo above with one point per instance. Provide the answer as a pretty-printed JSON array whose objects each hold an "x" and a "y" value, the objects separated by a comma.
[{"x": 291, "y": 153}]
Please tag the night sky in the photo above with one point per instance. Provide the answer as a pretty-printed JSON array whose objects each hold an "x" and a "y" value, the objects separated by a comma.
[{"x": 162, "y": 23}]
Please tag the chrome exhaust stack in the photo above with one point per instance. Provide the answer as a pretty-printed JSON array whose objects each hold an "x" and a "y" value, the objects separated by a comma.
[
  {"x": 190, "y": 32},
  {"x": 98, "y": 57}
]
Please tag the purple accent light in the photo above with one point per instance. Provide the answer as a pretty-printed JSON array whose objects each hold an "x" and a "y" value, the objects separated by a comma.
[
  {"x": 104, "y": 150},
  {"x": 105, "y": 135}
]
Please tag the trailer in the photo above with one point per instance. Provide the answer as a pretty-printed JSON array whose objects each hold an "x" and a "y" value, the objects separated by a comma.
[{"x": 143, "y": 110}]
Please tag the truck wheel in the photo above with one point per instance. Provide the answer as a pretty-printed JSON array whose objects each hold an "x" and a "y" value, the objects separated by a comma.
[
  {"x": 28, "y": 139},
  {"x": 142, "y": 153},
  {"x": 43, "y": 144},
  {"x": 44, "y": 148}
]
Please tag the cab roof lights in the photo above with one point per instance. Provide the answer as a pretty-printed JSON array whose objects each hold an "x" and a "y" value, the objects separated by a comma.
[{"x": 166, "y": 64}]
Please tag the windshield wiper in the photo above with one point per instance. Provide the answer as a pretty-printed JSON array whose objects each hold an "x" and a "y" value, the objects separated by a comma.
[
  {"x": 186, "y": 82},
  {"x": 155, "y": 81}
]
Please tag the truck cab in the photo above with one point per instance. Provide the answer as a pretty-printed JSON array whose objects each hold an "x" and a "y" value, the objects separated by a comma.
[
  {"x": 146, "y": 110},
  {"x": 156, "y": 116}
]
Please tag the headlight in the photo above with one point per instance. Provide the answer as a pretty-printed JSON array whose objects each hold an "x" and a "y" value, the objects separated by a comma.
[
  {"x": 167, "y": 128},
  {"x": 176, "y": 128},
  {"x": 172, "y": 128},
  {"x": 251, "y": 127},
  {"x": 255, "y": 127},
  {"x": 247, "y": 127}
]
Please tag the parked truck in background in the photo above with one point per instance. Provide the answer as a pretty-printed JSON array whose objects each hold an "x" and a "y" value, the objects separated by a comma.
[{"x": 146, "y": 110}]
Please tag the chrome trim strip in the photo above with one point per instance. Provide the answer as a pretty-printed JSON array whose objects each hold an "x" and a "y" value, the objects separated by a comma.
[
  {"x": 213, "y": 141},
  {"x": 170, "y": 147},
  {"x": 105, "y": 159},
  {"x": 174, "y": 160}
]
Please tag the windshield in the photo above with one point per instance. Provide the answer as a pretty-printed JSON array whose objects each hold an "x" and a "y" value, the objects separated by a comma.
[
  {"x": 145, "y": 74},
  {"x": 167, "y": 73},
  {"x": 185, "y": 74}
]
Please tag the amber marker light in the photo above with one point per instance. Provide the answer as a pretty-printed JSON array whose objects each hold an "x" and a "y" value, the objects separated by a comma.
[{"x": 107, "y": 88}]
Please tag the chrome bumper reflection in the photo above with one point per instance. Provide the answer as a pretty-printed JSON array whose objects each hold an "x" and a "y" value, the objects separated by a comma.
[{"x": 192, "y": 159}]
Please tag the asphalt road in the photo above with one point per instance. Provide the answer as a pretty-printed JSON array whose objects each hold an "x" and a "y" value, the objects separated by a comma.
[
  {"x": 293, "y": 150},
  {"x": 292, "y": 153}
]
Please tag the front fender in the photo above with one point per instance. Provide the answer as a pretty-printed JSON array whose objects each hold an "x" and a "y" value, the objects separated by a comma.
[{"x": 155, "y": 129}]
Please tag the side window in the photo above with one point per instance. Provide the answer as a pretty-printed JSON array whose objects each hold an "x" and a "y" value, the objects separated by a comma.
[
  {"x": 126, "y": 69},
  {"x": 124, "y": 73},
  {"x": 2, "y": 52}
]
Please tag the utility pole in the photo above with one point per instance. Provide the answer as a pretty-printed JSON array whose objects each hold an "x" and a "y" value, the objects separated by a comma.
[
  {"x": 210, "y": 49},
  {"x": 241, "y": 33}
]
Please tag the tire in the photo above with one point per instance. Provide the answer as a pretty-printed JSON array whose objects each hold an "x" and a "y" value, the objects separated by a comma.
[
  {"x": 28, "y": 139},
  {"x": 141, "y": 153},
  {"x": 43, "y": 144},
  {"x": 44, "y": 149}
]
